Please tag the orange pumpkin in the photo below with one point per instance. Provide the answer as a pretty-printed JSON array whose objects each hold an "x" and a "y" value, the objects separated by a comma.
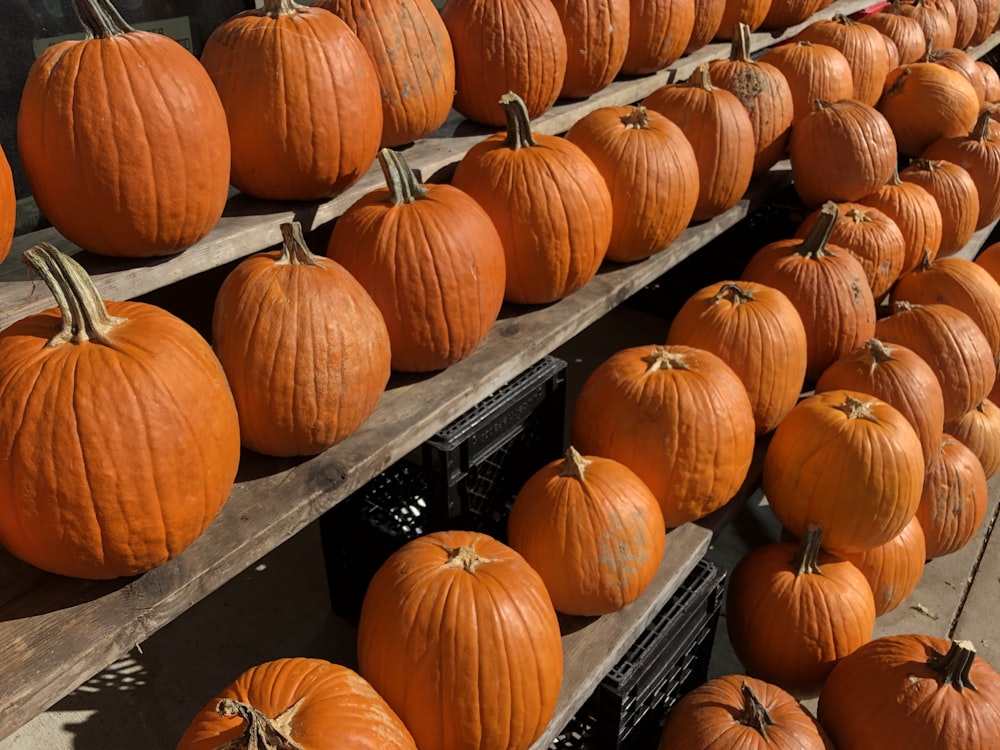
[
  {"x": 862, "y": 46},
  {"x": 991, "y": 81},
  {"x": 989, "y": 258},
  {"x": 906, "y": 32},
  {"x": 987, "y": 16},
  {"x": 307, "y": 703},
  {"x": 748, "y": 12},
  {"x": 961, "y": 62},
  {"x": 953, "y": 503},
  {"x": 658, "y": 34},
  {"x": 154, "y": 445},
  {"x": 979, "y": 431},
  {"x": 113, "y": 155},
  {"x": 895, "y": 568},
  {"x": 915, "y": 212},
  {"x": 785, "y": 13},
  {"x": 8, "y": 207},
  {"x": 813, "y": 71},
  {"x": 937, "y": 24},
  {"x": 966, "y": 17},
  {"x": 597, "y": 33},
  {"x": 957, "y": 196},
  {"x": 707, "y": 19}
]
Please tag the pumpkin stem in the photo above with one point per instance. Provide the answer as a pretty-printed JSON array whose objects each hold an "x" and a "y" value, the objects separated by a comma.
[
  {"x": 926, "y": 261},
  {"x": 754, "y": 714},
  {"x": 277, "y": 8},
  {"x": 701, "y": 78},
  {"x": 879, "y": 352},
  {"x": 814, "y": 245},
  {"x": 84, "y": 316},
  {"x": 897, "y": 85},
  {"x": 637, "y": 118},
  {"x": 842, "y": 19},
  {"x": 260, "y": 733},
  {"x": 981, "y": 131},
  {"x": 100, "y": 19},
  {"x": 294, "y": 250},
  {"x": 465, "y": 558},
  {"x": 859, "y": 215},
  {"x": 954, "y": 666},
  {"x": 518, "y": 123},
  {"x": 404, "y": 187},
  {"x": 895, "y": 179},
  {"x": 902, "y": 305},
  {"x": 925, "y": 165},
  {"x": 806, "y": 560},
  {"x": 740, "y": 48},
  {"x": 928, "y": 49},
  {"x": 736, "y": 294},
  {"x": 574, "y": 464},
  {"x": 662, "y": 358},
  {"x": 857, "y": 409}
]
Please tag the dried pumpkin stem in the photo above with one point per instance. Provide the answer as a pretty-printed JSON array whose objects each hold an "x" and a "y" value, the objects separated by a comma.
[
  {"x": 276, "y": 8},
  {"x": 84, "y": 316},
  {"x": 701, "y": 78},
  {"x": 260, "y": 733},
  {"x": 754, "y": 714},
  {"x": 294, "y": 250},
  {"x": 858, "y": 215},
  {"x": 574, "y": 464},
  {"x": 100, "y": 19},
  {"x": 734, "y": 293},
  {"x": 982, "y": 132},
  {"x": 518, "y": 122},
  {"x": 739, "y": 50},
  {"x": 404, "y": 187},
  {"x": 664, "y": 359},
  {"x": 636, "y": 118},
  {"x": 465, "y": 558},
  {"x": 954, "y": 667},
  {"x": 926, "y": 261},
  {"x": 879, "y": 352},
  {"x": 857, "y": 409},
  {"x": 814, "y": 245},
  {"x": 806, "y": 559}
]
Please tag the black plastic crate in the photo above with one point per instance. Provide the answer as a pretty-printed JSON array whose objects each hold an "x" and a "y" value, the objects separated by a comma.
[
  {"x": 670, "y": 658},
  {"x": 466, "y": 476}
]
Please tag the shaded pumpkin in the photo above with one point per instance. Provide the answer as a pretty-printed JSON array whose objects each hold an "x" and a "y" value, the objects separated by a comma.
[
  {"x": 707, "y": 20},
  {"x": 597, "y": 34},
  {"x": 432, "y": 261},
  {"x": 953, "y": 502},
  {"x": 863, "y": 47},
  {"x": 979, "y": 431},
  {"x": 987, "y": 17},
  {"x": 935, "y": 21},
  {"x": 891, "y": 52},
  {"x": 966, "y": 18},
  {"x": 991, "y": 81},
  {"x": 677, "y": 416},
  {"x": 304, "y": 703},
  {"x": 132, "y": 380},
  {"x": 956, "y": 194},
  {"x": 785, "y": 13},
  {"x": 989, "y": 258},
  {"x": 8, "y": 207},
  {"x": 906, "y": 32},
  {"x": 895, "y": 568},
  {"x": 751, "y": 13},
  {"x": 591, "y": 529},
  {"x": 658, "y": 33},
  {"x": 813, "y": 71}
]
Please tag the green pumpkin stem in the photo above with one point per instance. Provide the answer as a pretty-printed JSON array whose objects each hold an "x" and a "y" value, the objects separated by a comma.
[
  {"x": 84, "y": 316},
  {"x": 100, "y": 19},
  {"x": 518, "y": 123},
  {"x": 662, "y": 358},
  {"x": 404, "y": 187},
  {"x": 294, "y": 250},
  {"x": 814, "y": 245},
  {"x": 260, "y": 732},
  {"x": 636, "y": 118},
  {"x": 754, "y": 715},
  {"x": 739, "y": 50},
  {"x": 736, "y": 294},
  {"x": 955, "y": 666},
  {"x": 806, "y": 559},
  {"x": 574, "y": 464}
]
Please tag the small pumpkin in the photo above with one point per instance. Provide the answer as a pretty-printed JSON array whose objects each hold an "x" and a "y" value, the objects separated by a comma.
[
  {"x": 956, "y": 194},
  {"x": 953, "y": 502},
  {"x": 597, "y": 34},
  {"x": 813, "y": 71},
  {"x": 863, "y": 47},
  {"x": 658, "y": 33},
  {"x": 893, "y": 569},
  {"x": 905, "y": 31},
  {"x": 938, "y": 25},
  {"x": 979, "y": 430},
  {"x": 915, "y": 212}
]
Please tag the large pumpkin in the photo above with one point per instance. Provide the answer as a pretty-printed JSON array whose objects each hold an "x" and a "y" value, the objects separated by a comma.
[
  {"x": 123, "y": 139},
  {"x": 956, "y": 194},
  {"x": 269, "y": 310},
  {"x": 915, "y": 212},
  {"x": 154, "y": 445},
  {"x": 458, "y": 634},
  {"x": 862, "y": 46},
  {"x": 548, "y": 201},
  {"x": 414, "y": 62},
  {"x": 432, "y": 260},
  {"x": 953, "y": 503},
  {"x": 707, "y": 19},
  {"x": 938, "y": 27},
  {"x": 914, "y": 691},
  {"x": 658, "y": 34},
  {"x": 591, "y": 529},
  {"x": 979, "y": 430},
  {"x": 895, "y": 568},
  {"x": 8, "y": 206},
  {"x": 300, "y": 703},
  {"x": 813, "y": 71},
  {"x": 678, "y": 416},
  {"x": 597, "y": 34},
  {"x": 652, "y": 174},
  {"x": 848, "y": 462}
]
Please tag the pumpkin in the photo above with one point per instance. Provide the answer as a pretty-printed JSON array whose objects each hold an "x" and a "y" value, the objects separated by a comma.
[
  {"x": 966, "y": 19},
  {"x": 785, "y": 13},
  {"x": 707, "y": 19},
  {"x": 978, "y": 153},
  {"x": 915, "y": 212},
  {"x": 898, "y": 376},
  {"x": 826, "y": 284},
  {"x": 952, "y": 344},
  {"x": 597, "y": 33},
  {"x": 301, "y": 130},
  {"x": 651, "y": 172},
  {"x": 133, "y": 381},
  {"x": 755, "y": 330},
  {"x": 914, "y": 691},
  {"x": 991, "y": 81},
  {"x": 658, "y": 34},
  {"x": 953, "y": 502},
  {"x": 493, "y": 41},
  {"x": 979, "y": 431},
  {"x": 547, "y": 200},
  {"x": 749, "y": 12},
  {"x": 678, "y": 416},
  {"x": 736, "y": 711},
  {"x": 813, "y": 71},
  {"x": 719, "y": 129},
  {"x": 893, "y": 569},
  {"x": 956, "y": 194},
  {"x": 862, "y": 46},
  {"x": 989, "y": 258},
  {"x": 891, "y": 52},
  {"x": 414, "y": 63},
  {"x": 987, "y": 17},
  {"x": 432, "y": 261},
  {"x": 848, "y": 462},
  {"x": 466, "y": 619},
  {"x": 871, "y": 236},
  {"x": 793, "y": 611},
  {"x": 934, "y": 20},
  {"x": 763, "y": 91},
  {"x": 961, "y": 62},
  {"x": 113, "y": 157},
  {"x": 591, "y": 529},
  {"x": 269, "y": 310},
  {"x": 924, "y": 101},
  {"x": 8, "y": 207},
  {"x": 300, "y": 703},
  {"x": 905, "y": 31}
]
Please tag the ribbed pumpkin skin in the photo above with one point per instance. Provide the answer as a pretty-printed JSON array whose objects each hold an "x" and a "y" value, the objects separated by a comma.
[
  {"x": 813, "y": 71},
  {"x": 719, "y": 129},
  {"x": 979, "y": 430},
  {"x": 597, "y": 33},
  {"x": 750, "y": 12},
  {"x": 138, "y": 91},
  {"x": 898, "y": 376},
  {"x": 712, "y": 715},
  {"x": 915, "y": 212},
  {"x": 961, "y": 62},
  {"x": 305, "y": 350},
  {"x": 979, "y": 154},
  {"x": 434, "y": 267},
  {"x": 841, "y": 151},
  {"x": 966, "y": 14},
  {"x": 483, "y": 645},
  {"x": 659, "y": 32},
  {"x": 861, "y": 45},
  {"x": 991, "y": 81},
  {"x": 414, "y": 62},
  {"x": 987, "y": 16},
  {"x": 790, "y": 629},
  {"x": 501, "y": 46},
  {"x": 893, "y": 569},
  {"x": 679, "y": 417},
  {"x": 957, "y": 196},
  {"x": 871, "y": 236},
  {"x": 302, "y": 101},
  {"x": 594, "y": 534},
  {"x": 903, "y": 30},
  {"x": 989, "y": 258},
  {"x": 886, "y": 695},
  {"x": 857, "y": 477},
  {"x": 952, "y": 344},
  {"x": 8, "y": 206},
  {"x": 651, "y": 172},
  {"x": 953, "y": 503},
  {"x": 755, "y": 330},
  {"x": 334, "y": 707},
  {"x": 935, "y": 22},
  {"x": 707, "y": 19},
  {"x": 785, "y": 13}
]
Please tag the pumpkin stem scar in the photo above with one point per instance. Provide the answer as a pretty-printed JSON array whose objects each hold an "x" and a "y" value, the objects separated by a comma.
[
  {"x": 663, "y": 359},
  {"x": 574, "y": 465},
  {"x": 954, "y": 666},
  {"x": 636, "y": 118},
  {"x": 857, "y": 409},
  {"x": 806, "y": 560},
  {"x": 261, "y": 733},
  {"x": 754, "y": 714},
  {"x": 465, "y": 557}
]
